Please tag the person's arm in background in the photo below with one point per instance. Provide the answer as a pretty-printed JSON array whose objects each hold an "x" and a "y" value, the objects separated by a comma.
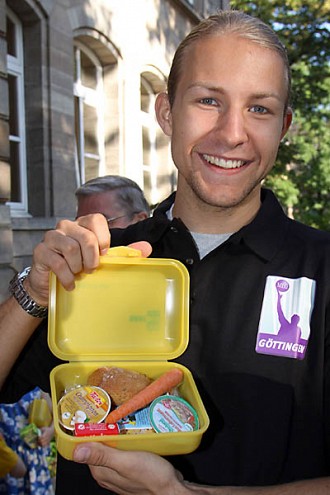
[
  {"x": 16, "y": 327},
  {"x": 19, "y": 470},
  {"x": 10, "y": 462},
  {"x": 47, "y": 432}
]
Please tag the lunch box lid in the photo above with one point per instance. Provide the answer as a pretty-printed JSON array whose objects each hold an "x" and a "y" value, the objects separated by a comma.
[{"x": 129, "y": 308}]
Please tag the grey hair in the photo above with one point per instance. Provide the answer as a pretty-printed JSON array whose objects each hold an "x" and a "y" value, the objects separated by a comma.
[
  {"x": 128, "y": 193},
  {"x": 228, "y": 21}
]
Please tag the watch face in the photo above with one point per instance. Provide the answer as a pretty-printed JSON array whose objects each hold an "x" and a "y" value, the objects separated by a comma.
[{"x": 24, "y": 273}]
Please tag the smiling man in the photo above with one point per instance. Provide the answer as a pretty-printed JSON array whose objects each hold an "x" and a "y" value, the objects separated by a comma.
[
  {"x": 227, "y": 118},
  {"x": 253, "y": 273}
]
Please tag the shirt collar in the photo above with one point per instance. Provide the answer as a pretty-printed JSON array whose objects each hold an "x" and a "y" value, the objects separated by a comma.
[
  {"x": 264, "y": 235},
  {"x": 267, "y": 232}
]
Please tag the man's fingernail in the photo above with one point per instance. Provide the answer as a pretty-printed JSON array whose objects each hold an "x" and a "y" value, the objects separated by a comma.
[{"x": 82, "y": 454}]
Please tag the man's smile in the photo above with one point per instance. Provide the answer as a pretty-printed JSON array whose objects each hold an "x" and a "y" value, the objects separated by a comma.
[{"x": 223, "y": 163}]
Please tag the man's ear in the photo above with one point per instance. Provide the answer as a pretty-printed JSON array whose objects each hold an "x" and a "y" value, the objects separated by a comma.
[
  {"x": 287, "y": 119},
  {"x": 163, "y": 113},
  {"x": 142, "y": 215}
]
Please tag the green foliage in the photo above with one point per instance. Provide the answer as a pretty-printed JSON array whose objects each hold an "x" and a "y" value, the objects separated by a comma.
[{"x": 301, "y": 177}]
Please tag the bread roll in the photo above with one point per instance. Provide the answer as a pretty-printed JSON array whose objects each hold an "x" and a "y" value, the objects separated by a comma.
[{"x": 121, "y": 384}]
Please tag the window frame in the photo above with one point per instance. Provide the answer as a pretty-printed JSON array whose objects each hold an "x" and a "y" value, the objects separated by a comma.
[
  {"x": 95, "y": 99},
  {"x": 15, "y": 68}
]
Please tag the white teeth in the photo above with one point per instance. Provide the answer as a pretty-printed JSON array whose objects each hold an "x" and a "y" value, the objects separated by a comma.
[{"x": 220, "y": 162}]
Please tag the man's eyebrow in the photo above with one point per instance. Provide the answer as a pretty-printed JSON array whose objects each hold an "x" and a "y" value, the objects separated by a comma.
[
  {"x": 262, "y": 96},
  {"x": 204, "y": 85}
]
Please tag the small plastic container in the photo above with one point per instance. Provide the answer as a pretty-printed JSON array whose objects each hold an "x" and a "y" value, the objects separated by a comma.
[
  {"x": 82, "y": 403},
  {"x": 132, "y": 312}
]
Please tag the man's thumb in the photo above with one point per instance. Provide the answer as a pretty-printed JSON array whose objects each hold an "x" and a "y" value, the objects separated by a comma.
[{"x": 93, "y": 453}]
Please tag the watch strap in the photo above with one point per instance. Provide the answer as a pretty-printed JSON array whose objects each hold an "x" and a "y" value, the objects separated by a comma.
[{"x": 26, "y": 302}]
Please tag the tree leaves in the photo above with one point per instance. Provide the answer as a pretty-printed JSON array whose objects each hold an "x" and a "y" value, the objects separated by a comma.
[{"x": 301, "y": 177}]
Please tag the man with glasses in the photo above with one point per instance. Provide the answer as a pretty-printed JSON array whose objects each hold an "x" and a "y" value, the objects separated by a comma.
[{"x": 118, "y": 198}]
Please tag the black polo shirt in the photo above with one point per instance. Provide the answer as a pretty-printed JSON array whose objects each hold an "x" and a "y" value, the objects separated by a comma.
[{"x": 265, "y": 387}]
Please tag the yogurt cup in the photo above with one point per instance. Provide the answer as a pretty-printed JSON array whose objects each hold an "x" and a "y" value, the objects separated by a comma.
[
  {"x": 169, "y": 413},
  {"x": 86, "y": 404}
]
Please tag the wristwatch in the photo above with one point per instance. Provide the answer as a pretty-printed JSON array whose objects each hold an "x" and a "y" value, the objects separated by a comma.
[{"x": 22, "y": 297}]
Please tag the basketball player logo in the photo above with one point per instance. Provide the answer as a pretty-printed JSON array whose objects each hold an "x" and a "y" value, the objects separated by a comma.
[{"x": 284, "y": 325}]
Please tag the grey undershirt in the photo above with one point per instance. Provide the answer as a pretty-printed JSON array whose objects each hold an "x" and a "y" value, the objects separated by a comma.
[{"x": 205, "y": 243}]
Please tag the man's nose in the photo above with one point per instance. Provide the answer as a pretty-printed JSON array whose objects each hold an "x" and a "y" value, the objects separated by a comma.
[{"x": 232, "y": 127}]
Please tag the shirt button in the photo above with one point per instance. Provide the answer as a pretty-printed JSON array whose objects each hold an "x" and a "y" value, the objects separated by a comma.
[
  {"x": 189, "y": 261},
  {"x": 174, "y": 229}
]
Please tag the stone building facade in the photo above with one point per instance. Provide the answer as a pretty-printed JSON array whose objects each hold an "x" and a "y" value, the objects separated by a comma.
[{"x": 78, "y": 79}]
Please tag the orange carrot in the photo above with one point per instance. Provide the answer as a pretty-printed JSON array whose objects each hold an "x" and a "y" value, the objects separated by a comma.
[{"x": 160, "y": 386}]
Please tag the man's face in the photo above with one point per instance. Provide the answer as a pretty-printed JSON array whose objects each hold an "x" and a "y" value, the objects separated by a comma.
[
  {"x": 227, "y": 119},
  {"x": 107, "y": 204}
]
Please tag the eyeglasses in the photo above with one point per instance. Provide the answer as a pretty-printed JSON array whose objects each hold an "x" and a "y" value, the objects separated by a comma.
[{"x": 113, "y": 219}]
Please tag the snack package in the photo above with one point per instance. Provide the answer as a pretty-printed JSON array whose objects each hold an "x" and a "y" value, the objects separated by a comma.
[
  {"x": 29, "y": 434},
  {"x": 95, "y": 429},
  {"x": 138, "y": 422}
]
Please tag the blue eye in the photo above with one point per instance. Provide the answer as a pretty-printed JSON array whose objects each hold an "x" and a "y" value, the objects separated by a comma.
[
  {"x": 208, "y": 101},
  {"x": 259, "y": 109}
]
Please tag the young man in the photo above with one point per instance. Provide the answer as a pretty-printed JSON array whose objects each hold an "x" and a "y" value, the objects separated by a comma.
[
  {"x": 226, "y": 110},
  {"x": 118, "y": 198}
]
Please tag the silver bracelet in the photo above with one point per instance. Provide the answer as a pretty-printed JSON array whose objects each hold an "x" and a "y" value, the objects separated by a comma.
[{"x": 23, "y": 298}]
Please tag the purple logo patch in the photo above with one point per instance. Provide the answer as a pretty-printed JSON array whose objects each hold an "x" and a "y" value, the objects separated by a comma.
[
  {"x": 284, "y": 325},
  {"x": 282, "y": 286}
]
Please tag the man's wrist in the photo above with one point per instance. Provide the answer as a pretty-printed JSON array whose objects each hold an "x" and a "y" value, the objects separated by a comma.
[
  {"x": 205, "y": 490},
  {"x": 23, "y": 298}
]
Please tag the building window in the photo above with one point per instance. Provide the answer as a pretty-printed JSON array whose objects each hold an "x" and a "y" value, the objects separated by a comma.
[
  {"x": 89, "y": 114},
  {"x": 17, "y": 140}
]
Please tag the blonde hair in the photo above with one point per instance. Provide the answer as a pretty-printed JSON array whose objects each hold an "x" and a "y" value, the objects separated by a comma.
[{"x": 233, "y": 22}]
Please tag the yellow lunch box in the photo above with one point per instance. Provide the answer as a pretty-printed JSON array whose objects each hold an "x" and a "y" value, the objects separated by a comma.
[{"x": 133, "y": 313}]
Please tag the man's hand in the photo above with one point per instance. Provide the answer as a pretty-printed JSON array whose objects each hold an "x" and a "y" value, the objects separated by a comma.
[
  {"x": 136, "y": 473},
  {"x": 72, "y": 247}
]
